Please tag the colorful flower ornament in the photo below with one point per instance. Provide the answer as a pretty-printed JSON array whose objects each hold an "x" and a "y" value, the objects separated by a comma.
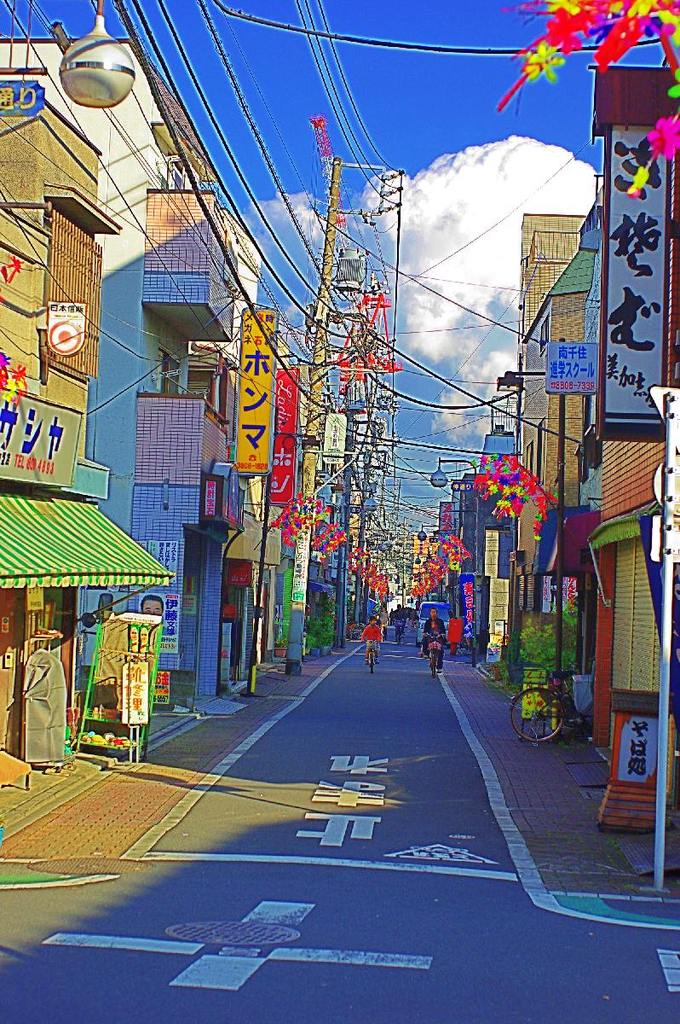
[
  {"x": 614, "y": 27},
  {"x": 450, "y": 555},
  {"x": 13, "y": 385},
  {"x": 505, "y": 478}
]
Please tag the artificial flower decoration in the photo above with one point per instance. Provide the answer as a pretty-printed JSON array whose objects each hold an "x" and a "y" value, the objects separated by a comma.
[
  {"x": 299, "y": 514},
  {"x": 450, "y": 555},
  {"x": 613, "y": 27},
  {"x": 329, "y": 540},
  {"x": 505, "y": 478},
  {"x": 13, "y": 386}
]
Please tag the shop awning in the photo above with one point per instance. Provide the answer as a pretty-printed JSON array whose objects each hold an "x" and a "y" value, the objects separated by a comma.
[
  {"x": 317, "y": 587},
  {"x": 577, "y": 529},
  {"x": 69, "y": 544},
  {"x": 621, "y": 528}
]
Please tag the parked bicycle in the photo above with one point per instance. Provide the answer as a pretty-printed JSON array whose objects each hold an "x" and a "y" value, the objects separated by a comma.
[{"x": 541, "y": 713}]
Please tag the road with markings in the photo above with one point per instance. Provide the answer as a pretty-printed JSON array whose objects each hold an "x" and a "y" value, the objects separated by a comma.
[{"x": 351, "y": 863}]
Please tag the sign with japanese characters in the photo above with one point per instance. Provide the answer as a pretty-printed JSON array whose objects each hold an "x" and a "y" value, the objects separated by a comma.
[
  {"x": 256, "y": 394},
  {"x": 571, "y": 368},
  {"x": 301, "y": 569},
  {"x": 462, "y": 485},
  {"x": 636, "y": 747},
  {"x": 165, "y": 601},
  {"x": 284, "y": 463},
  {"x": 38, "y": 442},
  {"x": 135, "y": 710},
  {"x": 447, "y": 511},
  {"x": 335, "y": 436},
  {"x": 467, "y": 603},
  {"x": 66, "y": 325},
  {"x": 21, "y": 99},
  {"x": 284, "y": 469},
  {"x": 162, "y": 694},
  {"x": 633, "y": 326}
]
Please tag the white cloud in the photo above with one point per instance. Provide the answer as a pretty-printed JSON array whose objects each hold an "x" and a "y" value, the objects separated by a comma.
[{"x": 456, "y": 204}]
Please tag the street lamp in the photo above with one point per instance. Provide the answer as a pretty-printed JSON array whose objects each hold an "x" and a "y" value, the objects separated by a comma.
[
  {"x": 439, "y": 478},
  {"x": 421, "y": 535},
  {"x": 97, "y": 70}
]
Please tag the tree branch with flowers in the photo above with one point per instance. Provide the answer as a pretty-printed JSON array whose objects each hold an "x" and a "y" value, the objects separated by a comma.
[
  {"x": 613, "y": 27},
  {"x": 505, "y": 478}
]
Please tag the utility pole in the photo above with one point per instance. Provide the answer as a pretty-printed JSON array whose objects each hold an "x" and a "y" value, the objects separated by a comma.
[
  {"x": 559, "y": 559},
  {"x": 313, "y": 438},
  {"x": 259, "y": 610},
  {"x": 342, "y": 579}
]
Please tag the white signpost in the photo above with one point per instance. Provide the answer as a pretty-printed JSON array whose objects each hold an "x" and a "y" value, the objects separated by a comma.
[
  {"x": 667, "y": 401},
  {"x": 66, "y": 325}
]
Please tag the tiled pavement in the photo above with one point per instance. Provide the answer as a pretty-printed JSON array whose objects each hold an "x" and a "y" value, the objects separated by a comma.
[
  {"x": 101, "y": 824},
  {"x": 557, "y": 818}
]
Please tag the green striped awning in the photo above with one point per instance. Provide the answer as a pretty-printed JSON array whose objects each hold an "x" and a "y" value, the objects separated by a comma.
[
  {"x": 613, "y": 530},
  {"x": 60, "y": 543}
]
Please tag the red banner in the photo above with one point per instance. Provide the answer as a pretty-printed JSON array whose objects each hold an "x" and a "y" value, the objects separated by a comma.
[
  {"x": 284, "y": 465},
  {"x": 287, "y": 400}
]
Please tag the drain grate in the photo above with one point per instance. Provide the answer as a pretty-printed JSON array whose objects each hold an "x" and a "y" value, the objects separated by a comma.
[{"x": 233, "y": 933}]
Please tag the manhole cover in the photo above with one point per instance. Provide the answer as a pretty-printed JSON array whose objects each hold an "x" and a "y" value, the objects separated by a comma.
[{"x": 233, "y": 933}]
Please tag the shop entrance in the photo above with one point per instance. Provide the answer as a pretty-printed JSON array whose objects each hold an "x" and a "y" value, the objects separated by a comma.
[{"x": 11, "y": 639}]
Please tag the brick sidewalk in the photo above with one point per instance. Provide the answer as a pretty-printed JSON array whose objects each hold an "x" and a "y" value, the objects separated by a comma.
[
  {"x": 557, "y": 818},
  {"x": 113, "y": 814}
]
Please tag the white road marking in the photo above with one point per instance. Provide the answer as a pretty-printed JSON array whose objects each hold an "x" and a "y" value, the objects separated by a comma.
[
  {"x": 147, "y": 842},
  {"x": 332, "y": 862},
  {"x": 228, "y": 973},
  {"x": 275, "y": 912},
  {"x": 356, "y": 957},
  {"x": 229, "y": 970},
  {"x": 360, "y": 764},
  {"x": 438, "y": 851},
  {"x": 350, "y": 794},
  {"x": 336, "y": 828},
  {"x": 122, "y": 942},
  {"x": 670, "y": 965}
]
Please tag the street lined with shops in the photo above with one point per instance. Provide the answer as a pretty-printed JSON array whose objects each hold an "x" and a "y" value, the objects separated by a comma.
[{"x": 350, "y": 855}]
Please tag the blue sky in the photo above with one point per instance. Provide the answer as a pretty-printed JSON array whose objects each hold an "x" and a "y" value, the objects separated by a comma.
[{"x": 425, "y": 112}]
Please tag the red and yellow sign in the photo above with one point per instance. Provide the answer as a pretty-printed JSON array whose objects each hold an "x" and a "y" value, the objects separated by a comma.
[{"x": 256, "y": 394}]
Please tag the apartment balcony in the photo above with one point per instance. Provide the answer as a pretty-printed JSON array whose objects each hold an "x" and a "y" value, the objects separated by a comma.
[{"x": 186, "y": 281}]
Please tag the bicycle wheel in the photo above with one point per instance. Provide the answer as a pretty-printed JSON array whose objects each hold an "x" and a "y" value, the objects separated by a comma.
[
  {"x": 371, "y": 660},
  {"x": 536, "y": 714}
]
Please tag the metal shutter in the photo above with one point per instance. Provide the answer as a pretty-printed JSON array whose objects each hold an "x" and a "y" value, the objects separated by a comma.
[
  {"x": 645, "y": 660},
  {"x": 624, "y": 592}
]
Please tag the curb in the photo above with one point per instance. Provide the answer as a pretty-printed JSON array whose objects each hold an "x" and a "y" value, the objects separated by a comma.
[{"x": 35, "y": 808}]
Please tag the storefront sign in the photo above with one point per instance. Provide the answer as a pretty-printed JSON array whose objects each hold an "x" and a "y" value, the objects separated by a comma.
[
  {"x": 35, "y": 599},
  {"x": 162, "y": 688},
  {"x": 571, "y": 368},
  {"x": 467, "y": 603},
  {"x": 166, "y": 552},
  {"x": 38, "y": 442},
  {"x": 284, "y": 469},
  {"x": 66, "y": 326},
  {"x": 135, "y": 710},
  {"x": 21, "y": 99},
  {"x": 256, "y": 394},
  {"x": 239, "y": 572},
  {"x": 287, "y": 400},
  {"x": 335, "y": 436},
  {"x": 635, "y": 737},
  {"x": 301, "y": 570},
  {"x": 462, "y": 485},
  {"x": 494, "y": 648},
  {"x": 221, "y": 498},
  {"x": 447, "y": 511},
  {"x": 634, "y": 318}
]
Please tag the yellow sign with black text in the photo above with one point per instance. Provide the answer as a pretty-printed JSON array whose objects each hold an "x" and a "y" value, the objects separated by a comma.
[{"x": 256, "y": 394}]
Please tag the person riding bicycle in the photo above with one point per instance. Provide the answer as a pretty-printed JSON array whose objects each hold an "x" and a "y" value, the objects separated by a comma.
[
  {"x": 399, "y": 623},
  {"x": 434, "y": 628},
  {"x": 372, "y": 635}
]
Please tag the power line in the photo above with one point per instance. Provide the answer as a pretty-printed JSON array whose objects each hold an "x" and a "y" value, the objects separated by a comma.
[
  {"x": 390, "y": 44},
  {"x": 348, "y": 90}
]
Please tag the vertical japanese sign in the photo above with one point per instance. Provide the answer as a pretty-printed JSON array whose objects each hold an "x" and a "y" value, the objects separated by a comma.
[
  {"x": 256, "y": 394},
  {"x": 467, "y": 603},
  {"x": 637, "y": 739},
  {"x": 446, "y": 516},
  {"x": 301, "y": 569},
  {"x": 135, "y": 710},
  {"x": 335, "y": 436},
  {"x": 165, "y": 601},
  {"x": 633, "y": 327},
  {"x": 284, "y": 465}
]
